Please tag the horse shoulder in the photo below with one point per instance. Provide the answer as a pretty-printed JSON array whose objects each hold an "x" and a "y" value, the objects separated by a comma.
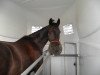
[{"x": 5, "y": 58}]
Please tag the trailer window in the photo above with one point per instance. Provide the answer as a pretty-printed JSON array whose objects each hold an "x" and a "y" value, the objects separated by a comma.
[{"x": 68, "y": 29}]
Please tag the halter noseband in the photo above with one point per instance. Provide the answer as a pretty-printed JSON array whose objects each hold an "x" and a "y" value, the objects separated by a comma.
[{"x": 55, "y": 41}]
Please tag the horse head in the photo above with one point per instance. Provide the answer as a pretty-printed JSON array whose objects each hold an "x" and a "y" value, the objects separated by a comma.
[{"x": 54, "y": 36}]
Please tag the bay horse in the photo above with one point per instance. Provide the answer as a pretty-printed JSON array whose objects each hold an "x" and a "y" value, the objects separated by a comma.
[{"x": 17, "y": 56}]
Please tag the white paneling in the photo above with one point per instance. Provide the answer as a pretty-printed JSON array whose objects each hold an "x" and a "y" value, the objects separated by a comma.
[
  {"x": 88, "y": 16},
  {"x": 70, "y": 48},
  {"x": 89, "y": 32},
  {"x": 47, "y": 68},
  {"x": 36, "y": 4},
  {"x": 57, "y": 66},
  {"x": 89, "y": 60},
  {"x": 64, "y": 65},
  {"x": 69, "y": 17},
  {"x": 13, "y": 22},
  {"x": 70, "y": 69},
  {"x": 46, "y": 8}
]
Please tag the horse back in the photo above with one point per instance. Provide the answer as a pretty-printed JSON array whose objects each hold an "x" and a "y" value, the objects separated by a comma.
[{"x": 16, "y": 57}]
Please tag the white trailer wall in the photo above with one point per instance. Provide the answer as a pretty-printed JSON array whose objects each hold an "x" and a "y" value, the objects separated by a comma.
[
  {"x": 13, "y": 21},
  {"x": 88, "y": 21},
  {"x": 64, "y": 65}
]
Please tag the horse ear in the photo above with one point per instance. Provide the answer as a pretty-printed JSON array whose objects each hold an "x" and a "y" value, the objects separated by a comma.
[
  {"x": 50, "y": 21},
  {"x": 58, "y": 22}
]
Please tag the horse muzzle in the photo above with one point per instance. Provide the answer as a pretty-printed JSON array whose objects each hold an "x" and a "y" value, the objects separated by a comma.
[{"x": 55, "y": 48}]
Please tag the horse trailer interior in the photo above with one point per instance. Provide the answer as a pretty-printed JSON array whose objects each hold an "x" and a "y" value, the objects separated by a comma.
[{"x": 79, "y": 37}]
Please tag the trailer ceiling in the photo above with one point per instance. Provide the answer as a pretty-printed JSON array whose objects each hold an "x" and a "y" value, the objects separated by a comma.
[{"x": 46, "y": 7}]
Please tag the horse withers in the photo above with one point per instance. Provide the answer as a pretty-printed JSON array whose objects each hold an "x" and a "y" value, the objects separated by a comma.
[{"x": 17, "y": 56}]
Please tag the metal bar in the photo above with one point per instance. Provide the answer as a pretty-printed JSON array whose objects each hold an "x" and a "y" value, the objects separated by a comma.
[
  {"x": 32, "y": 66},
  {"x": 41, "y": 67},
  {"x": 67, "y": 55}
]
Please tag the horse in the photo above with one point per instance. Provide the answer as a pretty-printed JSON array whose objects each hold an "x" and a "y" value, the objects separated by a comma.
[{"x": 17, "y": 56}]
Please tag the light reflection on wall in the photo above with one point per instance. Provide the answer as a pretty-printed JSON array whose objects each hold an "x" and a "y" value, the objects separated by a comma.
[
  {"x": 68, "y": 29},
  {"x": 35, "y": 28}
]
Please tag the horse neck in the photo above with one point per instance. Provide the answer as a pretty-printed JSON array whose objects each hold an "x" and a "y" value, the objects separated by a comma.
[{"x": 40, "y": 38}]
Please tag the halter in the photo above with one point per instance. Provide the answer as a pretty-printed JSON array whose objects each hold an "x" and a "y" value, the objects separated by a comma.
[{"x": 55, "y": 41}]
